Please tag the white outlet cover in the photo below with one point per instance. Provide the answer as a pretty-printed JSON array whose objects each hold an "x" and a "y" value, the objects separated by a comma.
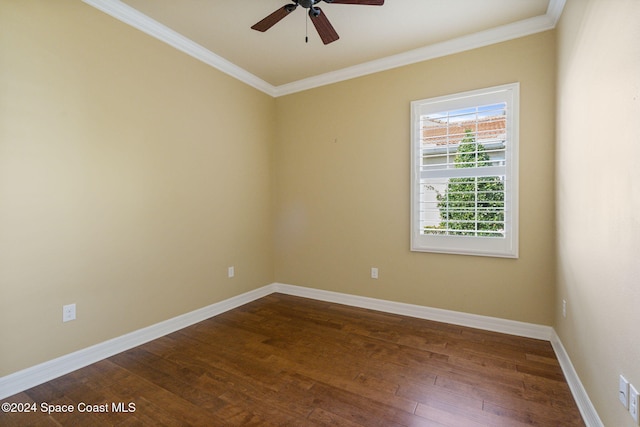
[
  {"x": 231, "y": 271},
  {"x": 623, "y": 392},
  {"x": 68, "y": 312},
  {"x": 633, "y": 402},
  {"x": 374, "y": 273}
]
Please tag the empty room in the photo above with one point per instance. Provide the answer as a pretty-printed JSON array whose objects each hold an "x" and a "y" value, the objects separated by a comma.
[{"x": 315, "y": 212}]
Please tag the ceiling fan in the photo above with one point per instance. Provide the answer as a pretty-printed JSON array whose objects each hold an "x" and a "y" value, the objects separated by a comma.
[{"x": 326, "y": 31}]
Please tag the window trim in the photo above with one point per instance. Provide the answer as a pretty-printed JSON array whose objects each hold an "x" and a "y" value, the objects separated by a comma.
[{"x": 506, "y": 247}]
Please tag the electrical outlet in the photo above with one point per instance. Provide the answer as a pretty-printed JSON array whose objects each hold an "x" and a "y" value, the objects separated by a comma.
[
  {"x": 564, "y": 308},
  {"x": 231, "y": 271},
  {"x": 623, "y": 392},
  {"x": 633, "y": 402},
  {"x": 68, "y": 312},
  {"x": 374, "y": 273}
]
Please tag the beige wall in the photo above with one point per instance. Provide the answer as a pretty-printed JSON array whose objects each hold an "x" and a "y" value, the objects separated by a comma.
[
  {"x": 342, "y": 185},
  {"x": 598, "y": 196},
  {"x": 131, "y": 176}
]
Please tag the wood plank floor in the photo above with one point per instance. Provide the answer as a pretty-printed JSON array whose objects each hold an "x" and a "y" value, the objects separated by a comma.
[{"x": 284, "y": 360}]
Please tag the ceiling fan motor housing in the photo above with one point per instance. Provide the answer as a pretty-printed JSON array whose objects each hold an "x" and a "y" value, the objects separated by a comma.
[
  {"x": 307, "y": 4},
  {"x": 326, "y": 31}
]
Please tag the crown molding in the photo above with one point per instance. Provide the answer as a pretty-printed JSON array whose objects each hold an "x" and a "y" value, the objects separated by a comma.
[
  {"x": 142, "y": 22},
  {"x": 473, "y": 41},
  {"x": 554, "y": 10}
]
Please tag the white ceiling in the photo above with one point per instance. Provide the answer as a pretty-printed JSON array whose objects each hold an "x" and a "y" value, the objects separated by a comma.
[{"x": 372, "y": 38}]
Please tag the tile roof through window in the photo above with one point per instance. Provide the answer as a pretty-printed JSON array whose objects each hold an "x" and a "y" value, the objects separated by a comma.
[{"x": 441, "y": 132}]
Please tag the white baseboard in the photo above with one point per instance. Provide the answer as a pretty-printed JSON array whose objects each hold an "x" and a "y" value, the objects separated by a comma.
[
  {"x": 511, "y": 327},
  {"x": 487, "y": 323},
  {"x": 31, "y": 377},
  {"x": 38, "y": 374},
  {"x": 588, "y": 411}
]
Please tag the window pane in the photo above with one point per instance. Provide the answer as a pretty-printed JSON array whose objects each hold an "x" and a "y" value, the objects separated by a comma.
[
  {"x": 481, "y": 131},
  {"x": 457, "y": 139},
  {"x": 463, "y": 206},
  {"x": 464, "y": 173}
]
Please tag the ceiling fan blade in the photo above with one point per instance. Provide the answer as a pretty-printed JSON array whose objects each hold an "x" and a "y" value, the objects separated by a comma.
[
  {"x": 274, "y": 18},
  {"x": 363, "y": 2},
  {"x": 326, "y": 31}
]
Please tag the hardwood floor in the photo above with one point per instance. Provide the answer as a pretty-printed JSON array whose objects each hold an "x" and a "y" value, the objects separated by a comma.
[{"x": 284, "y": 360}]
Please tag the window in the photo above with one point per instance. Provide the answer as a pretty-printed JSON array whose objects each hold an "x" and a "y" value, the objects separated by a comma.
[{"x": 464, "y": 164}]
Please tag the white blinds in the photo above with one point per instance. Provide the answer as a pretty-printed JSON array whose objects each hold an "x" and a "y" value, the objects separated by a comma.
[{"x": 462, "y": 171}]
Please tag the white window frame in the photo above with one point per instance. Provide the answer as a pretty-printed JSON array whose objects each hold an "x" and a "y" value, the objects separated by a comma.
[{"x": 506, "y": 246}]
